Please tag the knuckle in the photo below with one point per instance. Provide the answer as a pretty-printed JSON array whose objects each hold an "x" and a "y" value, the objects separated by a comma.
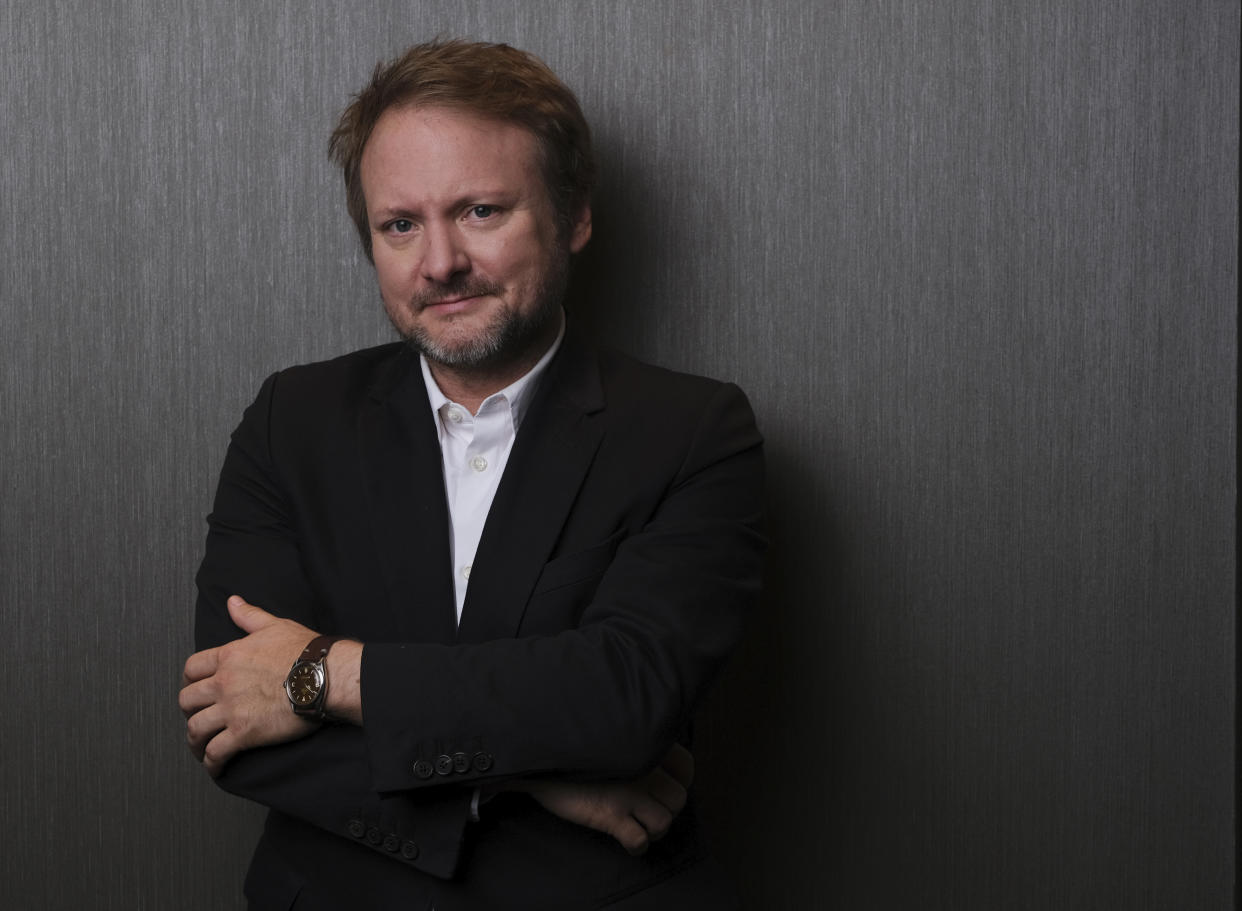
[
  {"x": 224, "y": 675},
  {"x": 636, "y": 844},
  {"x": 215, "y": 753}
]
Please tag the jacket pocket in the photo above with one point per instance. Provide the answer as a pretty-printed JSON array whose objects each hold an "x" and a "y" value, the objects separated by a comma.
[
  {"x": 579, "y": 566},
  {"x": 565, "y": 588}
]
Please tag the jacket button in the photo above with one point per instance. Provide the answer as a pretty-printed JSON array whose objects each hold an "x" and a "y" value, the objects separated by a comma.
[
  {"x": 374, "y": 836},
  {"x": 444, "y": 765},
  {"x": 391, "y": 843},
  {"x": 357, "y": 828},
  {"x": 409, "y": 850},
  {"x": 461, "y": 763},
  {"x": 482, "y": 761},
  {"x": 423, "y": 769}
]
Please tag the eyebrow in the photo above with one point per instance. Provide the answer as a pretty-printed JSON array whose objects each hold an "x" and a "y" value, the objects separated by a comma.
[{"x": 486, "y": 196}]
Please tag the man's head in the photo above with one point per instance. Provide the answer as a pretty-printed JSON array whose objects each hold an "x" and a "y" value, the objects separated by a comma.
[
  {"x": 490, "y": 81},
  {"x": 469, "y": 172}
]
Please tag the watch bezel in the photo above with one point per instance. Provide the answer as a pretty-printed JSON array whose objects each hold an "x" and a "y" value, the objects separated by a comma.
[{"x": 300, "y": 668}]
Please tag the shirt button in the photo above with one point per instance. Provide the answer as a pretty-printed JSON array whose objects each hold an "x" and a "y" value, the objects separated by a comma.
[
  {"x": 465, "y": 573},
  {"x": 455, "y": 415},
  {"x": 478, "y": 463}
]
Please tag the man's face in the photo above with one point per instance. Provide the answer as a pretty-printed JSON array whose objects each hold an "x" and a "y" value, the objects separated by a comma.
[{"x": 470, "y": 259}]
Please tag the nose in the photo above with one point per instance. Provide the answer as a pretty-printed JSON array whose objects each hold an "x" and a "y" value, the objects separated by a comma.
[{"x": 444, "y": 253}]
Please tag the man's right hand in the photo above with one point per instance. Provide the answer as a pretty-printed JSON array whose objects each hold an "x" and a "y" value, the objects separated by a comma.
[{"x": 635, "y": 813}]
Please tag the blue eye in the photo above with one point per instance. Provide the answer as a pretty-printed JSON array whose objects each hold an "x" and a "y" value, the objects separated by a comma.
[
  {"x": 401, "y": 225},
  {"x": 482, "y": 211}
]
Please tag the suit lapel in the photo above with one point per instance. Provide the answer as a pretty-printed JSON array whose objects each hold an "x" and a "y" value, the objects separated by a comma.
[
  {"x": 551, "y": 455},
  {"x": 404, "y": 482}
]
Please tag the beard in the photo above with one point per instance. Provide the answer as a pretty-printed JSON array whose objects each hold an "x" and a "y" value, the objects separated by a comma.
[{"x": 510, "y": 334}]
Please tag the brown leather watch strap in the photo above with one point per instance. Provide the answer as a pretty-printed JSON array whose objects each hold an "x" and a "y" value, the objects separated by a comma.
[{"x": 317, "y": 648}]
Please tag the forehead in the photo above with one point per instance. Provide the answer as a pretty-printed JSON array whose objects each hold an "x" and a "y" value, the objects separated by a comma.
[{"x": 435, "y": 150}]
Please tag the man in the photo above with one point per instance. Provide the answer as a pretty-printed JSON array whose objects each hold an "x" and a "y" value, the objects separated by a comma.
[{"x": 462, "y": 595}]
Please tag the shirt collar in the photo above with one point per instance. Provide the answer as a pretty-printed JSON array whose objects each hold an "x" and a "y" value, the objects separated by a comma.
[{"x": 517, "y": 394}]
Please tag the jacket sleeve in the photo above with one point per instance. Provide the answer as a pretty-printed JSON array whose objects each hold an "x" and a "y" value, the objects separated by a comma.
[{"x": 324, "y": 779}]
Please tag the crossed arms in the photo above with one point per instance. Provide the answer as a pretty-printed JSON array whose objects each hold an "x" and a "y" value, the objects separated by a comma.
[
  {"x": 233, "y": 699},
  {"x": 581, "y": 711}
]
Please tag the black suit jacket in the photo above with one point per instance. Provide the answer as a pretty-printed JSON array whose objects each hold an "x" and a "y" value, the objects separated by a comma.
[{"x": 620, "y": 553}]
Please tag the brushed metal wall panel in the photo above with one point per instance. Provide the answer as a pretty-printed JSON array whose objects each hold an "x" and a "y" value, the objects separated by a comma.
[{"x": 976, "y": 264}]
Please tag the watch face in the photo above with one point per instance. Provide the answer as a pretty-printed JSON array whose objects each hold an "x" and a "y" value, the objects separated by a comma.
[{"x": 305, "y": 682}]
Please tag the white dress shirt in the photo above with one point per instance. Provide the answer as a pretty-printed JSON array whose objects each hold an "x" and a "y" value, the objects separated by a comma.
[{"x": 474, "y": 450}]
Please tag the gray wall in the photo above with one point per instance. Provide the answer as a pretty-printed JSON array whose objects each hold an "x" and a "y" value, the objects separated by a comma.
[{"x": 976, "y": 264}]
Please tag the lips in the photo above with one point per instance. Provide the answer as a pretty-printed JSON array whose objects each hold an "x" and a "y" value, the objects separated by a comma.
[
  {"x": 449, "y": 301},
  {"x": 450, "y": 305},
  {"x": 450, "y": 298}
]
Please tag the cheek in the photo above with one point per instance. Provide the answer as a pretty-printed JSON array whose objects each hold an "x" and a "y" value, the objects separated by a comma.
[
  {"x": 515, "y": 261},
  {"x": 389, "y": 273}
]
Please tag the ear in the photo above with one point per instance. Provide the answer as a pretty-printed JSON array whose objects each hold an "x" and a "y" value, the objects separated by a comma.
[{"x": 580, "y": 233}]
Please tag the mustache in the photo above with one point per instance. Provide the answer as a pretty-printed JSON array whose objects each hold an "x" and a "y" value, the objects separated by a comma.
[{"x": 454, "y": 290}]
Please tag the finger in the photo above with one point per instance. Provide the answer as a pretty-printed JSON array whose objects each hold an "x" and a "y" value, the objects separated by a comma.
[
  {"x": 195, "y": 697},
  {"x": 219, "y": 751},
  {"x": 631, "y": 835},
  {"x": 679, "y": 762},
  {"x": 202, "y": 727},
  {"x": 247, "y": 616},
  {"x": 654, "y": 817},
  {"x": 200, "y": 665},
  {"x": 667, "y": 791}
]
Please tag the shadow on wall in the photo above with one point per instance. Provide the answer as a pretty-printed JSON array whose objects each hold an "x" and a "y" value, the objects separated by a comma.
[
  {"x": 606, "y": 293},
  {"x": 646, "y": 283},
  {"x": 768, "y": 766}
]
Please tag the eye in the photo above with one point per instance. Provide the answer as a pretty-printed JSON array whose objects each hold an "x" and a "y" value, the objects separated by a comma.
[
  {"x": 400, "y": 226},
  {"x": 482, "y": 211}
]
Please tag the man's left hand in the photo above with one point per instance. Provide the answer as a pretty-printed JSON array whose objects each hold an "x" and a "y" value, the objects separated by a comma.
[
  {"x": 635, "y": 813},
  {"x": 233, "y": 696}
]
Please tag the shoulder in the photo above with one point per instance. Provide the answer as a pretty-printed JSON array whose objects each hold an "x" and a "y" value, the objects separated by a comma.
[
  {"x": 630, "y": 385},
  {"x": 645, "y": 406},
  {"x": 323, "y": 395},
  {"x": 622, "y": 374},
  {"x": 349, "y": 375}
]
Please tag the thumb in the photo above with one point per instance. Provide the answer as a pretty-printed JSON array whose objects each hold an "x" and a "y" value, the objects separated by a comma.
[{"x": 247, "y": 616}]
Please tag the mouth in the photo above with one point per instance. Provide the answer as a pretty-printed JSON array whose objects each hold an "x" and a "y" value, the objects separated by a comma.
[{"x": 452, "y": 304}]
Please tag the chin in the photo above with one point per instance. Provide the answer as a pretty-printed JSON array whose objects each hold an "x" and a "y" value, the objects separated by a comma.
[{"x": 457, "y": 348}]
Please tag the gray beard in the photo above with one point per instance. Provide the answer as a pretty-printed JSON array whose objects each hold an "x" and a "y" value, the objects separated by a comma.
[{"x": 511, "y": 333}]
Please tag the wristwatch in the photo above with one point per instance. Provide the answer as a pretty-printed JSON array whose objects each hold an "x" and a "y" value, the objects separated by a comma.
[{"x": 307, "y": 682}]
